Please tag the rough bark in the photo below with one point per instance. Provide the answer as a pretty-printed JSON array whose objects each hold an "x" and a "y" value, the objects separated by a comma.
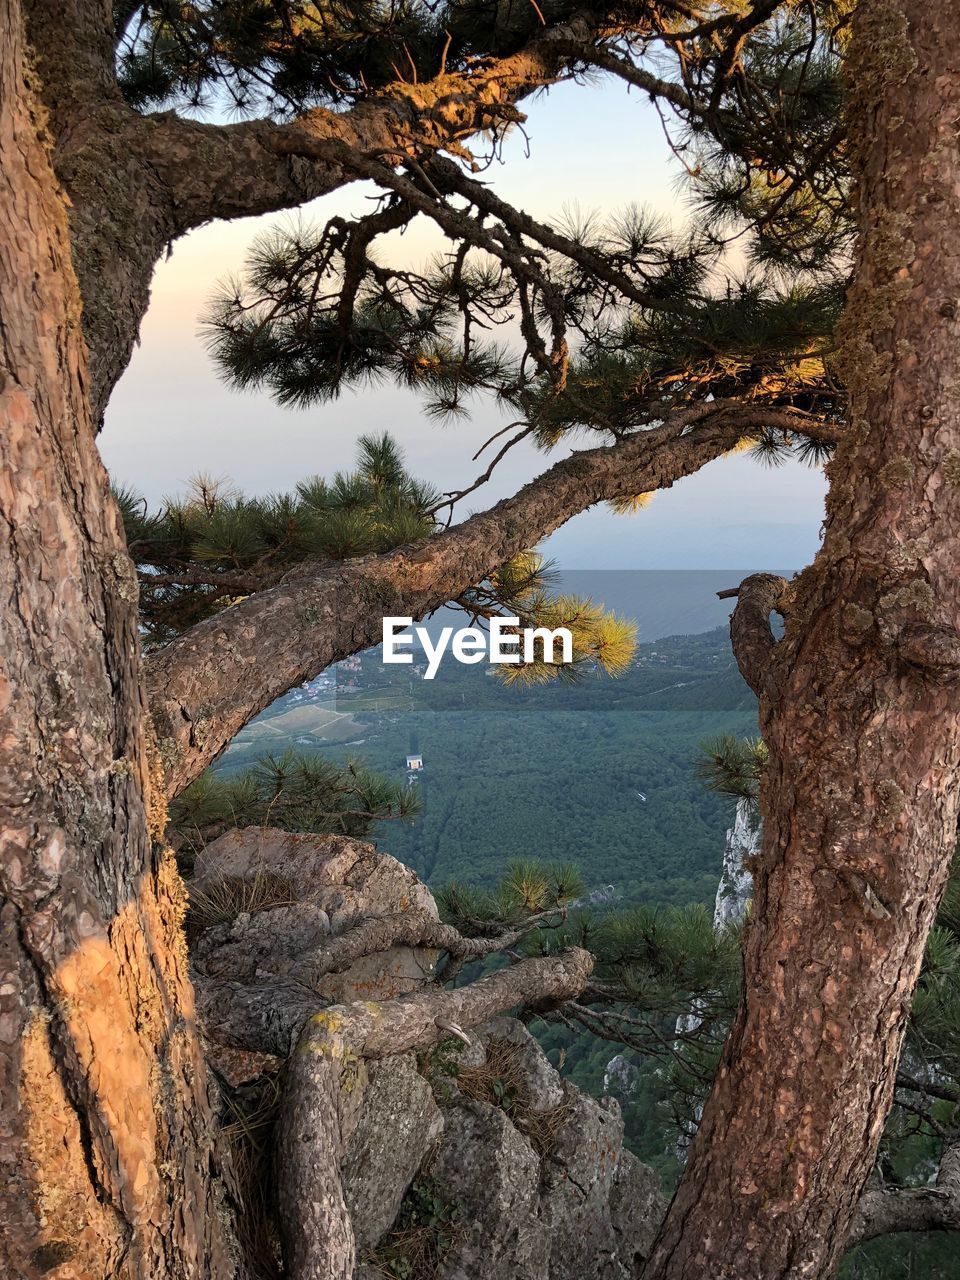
[
  {"x": 207, "y": 684},
  {"x": 753, "y": 641},
  {"x": 859, "y": 800},
  {"x": 105, "y": 1135},
  {"x": 406, "y": 929},
  {"x": 885, "y": 1210},
  {"x": 268, "y": 1016}
]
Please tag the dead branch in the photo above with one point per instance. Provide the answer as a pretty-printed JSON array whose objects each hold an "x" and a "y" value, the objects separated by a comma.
[
  {"x": 406, "y": 929},
  {"x": 883, "y": 1210}
]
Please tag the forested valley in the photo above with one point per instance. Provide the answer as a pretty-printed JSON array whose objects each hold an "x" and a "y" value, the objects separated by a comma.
[
  {"x": 237, "y": 1040},
  {"x": 554, "y": 773}
]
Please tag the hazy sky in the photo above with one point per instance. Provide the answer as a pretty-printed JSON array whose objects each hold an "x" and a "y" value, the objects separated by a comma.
[{"x": 590, "y": 148}]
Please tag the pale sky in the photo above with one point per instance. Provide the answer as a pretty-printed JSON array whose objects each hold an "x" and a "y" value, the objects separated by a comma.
[{"x": 590, "y": 148}]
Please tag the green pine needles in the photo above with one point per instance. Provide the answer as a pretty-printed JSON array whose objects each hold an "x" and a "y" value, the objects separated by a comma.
[
  {"x": 198, "y": 554},
  {"x": 732, "y": 766},
  {"x": 293, "y": 791}
]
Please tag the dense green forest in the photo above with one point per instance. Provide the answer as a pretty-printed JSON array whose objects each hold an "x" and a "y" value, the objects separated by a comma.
[{"x": 599, "y": 772}]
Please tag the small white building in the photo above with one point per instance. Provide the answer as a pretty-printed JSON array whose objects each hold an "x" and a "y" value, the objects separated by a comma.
[{"x": 414, "y": 763}]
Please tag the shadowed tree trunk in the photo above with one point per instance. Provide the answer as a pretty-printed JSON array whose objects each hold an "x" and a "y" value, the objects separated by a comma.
[
  {"x": 858, "y": 708},
  {"x": 105, "y": 1128},
  {"x": 107, "y": 1151}
]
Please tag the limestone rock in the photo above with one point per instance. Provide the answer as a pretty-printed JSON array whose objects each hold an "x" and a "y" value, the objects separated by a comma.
[
  {"x": 350, "y": 878},
  {"x": 579, "y": 1176},
  {"x": 491, "y": 1169},
  {"x": 398, "y": 1123},
  {"x": 736, "y": 882},
  {"x": 620, "y": 1077},
  {"x": 326, "y": 884},
  {"x": 546, "y": 1190},
  {"x": 541, "y": 1082},
  {"x": 637, "y": 1206},
  {"x": 572, "y": 1205}
]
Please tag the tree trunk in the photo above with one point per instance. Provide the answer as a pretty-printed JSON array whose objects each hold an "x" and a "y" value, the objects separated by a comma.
[
  {"x": 858, "y": 708},
  {"x": 105, "y": 1123}
]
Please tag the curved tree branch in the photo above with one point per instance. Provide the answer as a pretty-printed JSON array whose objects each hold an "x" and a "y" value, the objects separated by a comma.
[
  {"x": 206, "y": 685},
  {"x": 137, "y": 183},
  {"x": 408, "y": 929},
  {"x": 272, "y": 1017},
  {"x": 328, "y": 1063},
  {"x": 753, "y": 641},
  {"x": 403, "y": 121}
]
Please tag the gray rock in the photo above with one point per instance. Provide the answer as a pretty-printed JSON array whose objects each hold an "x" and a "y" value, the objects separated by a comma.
[
  {"x": 736, "y": 883},
  {"x": 586, "y": 1211},
  {"x": 541, "y": 1081},
  {"x": 620, "y": 1077},
  {"x": 237, "y": 949},
  {"x": 486, "y": 1165},
  {"x": 473, "y": 1054},
  {"x": 332, "y": 883},
  {"x": 348, "y": 878},
  {"x": 637, "y": 1206},
  {"x": 579, "y": 1176},
  {"x": 398, "y": 1123}
]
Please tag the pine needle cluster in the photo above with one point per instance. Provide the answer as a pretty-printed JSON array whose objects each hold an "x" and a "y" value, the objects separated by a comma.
[
  {"x": 592, "y": 358},
  {"x": 199, "y": 554},
  {"x": 609, "y": 321},
  {"x": 295, "y": 792},
  {"x": 285, "y": 56},
  {"x": 528, "y": 890},
  {"x": 525, "y": 587},
  {"x": 732, "y": 766}
]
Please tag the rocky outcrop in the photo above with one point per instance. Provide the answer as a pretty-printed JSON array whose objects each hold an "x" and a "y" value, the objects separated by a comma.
[
  {"x": 736, "y": 883},
  {"x": 324, "y": 885},
  {"x": 587, "y": 1162},
  {"x": 620, "y": 1077},
  {"x": 539, "y": 1179},
  {"x": 533, "y": 1174},
  {"x": 487, "y": 1167},
  {"x": 399, "y": 1121}
]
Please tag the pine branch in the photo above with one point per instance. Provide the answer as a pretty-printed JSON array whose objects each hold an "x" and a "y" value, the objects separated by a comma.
[
  {"x": 200, "y": 685},
  {"x": 411, "y": 930},
  {"x": 884, "y": 1210},
  {"x": 245, "y": 168}
]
